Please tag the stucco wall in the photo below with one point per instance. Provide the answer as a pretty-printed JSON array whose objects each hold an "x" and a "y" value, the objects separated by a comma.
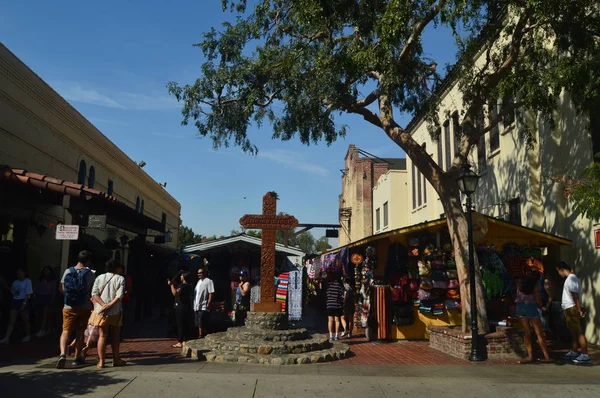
[{"x": 391, "y": 188}]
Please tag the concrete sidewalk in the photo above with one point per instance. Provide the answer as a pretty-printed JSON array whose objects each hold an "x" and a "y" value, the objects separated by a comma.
[{"x": 195, "y": 379}]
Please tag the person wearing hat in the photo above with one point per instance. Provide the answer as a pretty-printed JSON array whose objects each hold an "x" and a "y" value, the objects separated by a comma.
[{"x": 242, "y": 298}]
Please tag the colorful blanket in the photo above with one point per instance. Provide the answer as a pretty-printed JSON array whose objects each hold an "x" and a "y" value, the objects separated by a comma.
[
  {"x": 295, "y": 296},
  {"x": 282, "y": 290}
]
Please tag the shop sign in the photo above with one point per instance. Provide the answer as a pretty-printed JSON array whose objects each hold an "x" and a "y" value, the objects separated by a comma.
[
  {"x": 597, "y": 236},
  {"x": 152, "y": 232},
  {"x": 67, "y": 232},
  {"x": 97, "y": 221}
]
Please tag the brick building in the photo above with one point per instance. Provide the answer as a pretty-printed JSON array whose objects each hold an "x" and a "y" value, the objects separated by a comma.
[{"x": 359, "y": 176}]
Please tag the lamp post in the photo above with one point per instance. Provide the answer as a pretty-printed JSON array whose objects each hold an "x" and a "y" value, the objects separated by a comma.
[{"x": 467, "y": 183}]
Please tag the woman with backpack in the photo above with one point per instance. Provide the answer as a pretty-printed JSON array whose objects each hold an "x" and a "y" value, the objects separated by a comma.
[{"x": 22, "y": 292}]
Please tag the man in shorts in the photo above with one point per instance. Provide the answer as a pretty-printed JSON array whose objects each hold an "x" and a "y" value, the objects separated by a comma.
[
  {"x": 76, "y": 284},
  {"x": 571, "y": 305},
  {"x": 203, "y": 295}
]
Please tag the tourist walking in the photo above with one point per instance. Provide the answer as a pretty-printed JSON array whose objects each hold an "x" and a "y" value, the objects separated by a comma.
[
  {"x": 21, "y": 292},
  {"x": 183, "y": 293},
  {"x": 76, "y": 284},
  {"x": 242, "y": 299},
  {"x": 45, "y": 293},
  {"x": 529, "y": 302},
  {"x": 203, "y": 295},
  {"x": 334, "y": 296},
  {"x": 107, "y": 293},
  {"x": 348, "y": 316},
  {"x": 573, "y": 313}
]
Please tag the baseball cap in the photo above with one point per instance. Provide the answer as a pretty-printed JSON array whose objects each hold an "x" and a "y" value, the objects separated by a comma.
[{"x": 243, "y": 272}]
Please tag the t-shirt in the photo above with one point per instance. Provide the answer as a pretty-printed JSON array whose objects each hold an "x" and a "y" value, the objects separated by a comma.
[
  {"x": 89, "y": 283},
  {"x": 45, "y": 288},
  {"x": 183, "y": 301},
  {"x": 335, "y": 295},
  {"x": 20, "y": 289},
  {"x": 571, "y": 286},
  {"x": 204, "y": 287},
  {"x": 111, "y": 286}
]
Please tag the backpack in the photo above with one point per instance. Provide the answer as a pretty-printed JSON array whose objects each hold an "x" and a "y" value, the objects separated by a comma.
[{"x": 75, "y": 288}]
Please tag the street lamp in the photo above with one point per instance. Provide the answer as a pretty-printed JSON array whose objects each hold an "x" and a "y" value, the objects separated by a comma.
[{"x": 467, "y": 183}]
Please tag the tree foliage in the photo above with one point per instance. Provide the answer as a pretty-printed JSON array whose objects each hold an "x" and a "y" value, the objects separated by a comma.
[
  {"x": 584, "y": 192},
  {"x": 187, "y": 236}
]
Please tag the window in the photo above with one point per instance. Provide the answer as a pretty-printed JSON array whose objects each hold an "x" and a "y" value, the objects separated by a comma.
[
  {"x": 377, "y": 221},
  {"x": 137, "y": 204},
  {"x": 163, "y": 219},
  {"x": 448, "y": 151},
  {"x": 514, "y": 211},
  {"x": 440, "y": 150},
  {"x": 414, "y": 185},
  {"x": 495, "y": 131},
  {"x": 457, "y": 133},
  {"x": 385, "y": 214},
  {"x": 110, "y": 188},
  {"x": 419, "y": 192},
  {"x": 142, "y": 207},
  {"x": 595, "y": 127},
  {"x": 92, "y": 177},
  {"x": 82, "y": 171},
  {"x": 424, "y": 190},
  {"x": 509, "y": 117},
  {"x": 481, "y": 160}
]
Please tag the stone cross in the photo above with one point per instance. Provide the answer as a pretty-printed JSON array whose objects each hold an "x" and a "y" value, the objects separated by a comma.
[{"x": 268, "y": 222}]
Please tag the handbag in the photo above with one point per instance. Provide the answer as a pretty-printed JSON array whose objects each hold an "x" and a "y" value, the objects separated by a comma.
[{"x": 96, "y": 320}]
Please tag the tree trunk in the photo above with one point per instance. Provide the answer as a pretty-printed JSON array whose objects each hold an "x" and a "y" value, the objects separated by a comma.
[{"x": 458, "y": 228}]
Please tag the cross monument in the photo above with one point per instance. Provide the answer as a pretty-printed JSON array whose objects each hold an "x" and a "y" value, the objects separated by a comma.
[{"x": 269, "y": 222}]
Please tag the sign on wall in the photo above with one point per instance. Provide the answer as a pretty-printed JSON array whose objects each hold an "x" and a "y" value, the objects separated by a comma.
[
  {"x": 597, "y": 236},
  {"x": 67, "y": 232},
  {"x": 96, "y": 221}
]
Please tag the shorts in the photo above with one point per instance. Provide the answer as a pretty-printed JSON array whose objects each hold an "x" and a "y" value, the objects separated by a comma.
[
  {"x": 75, "y": 318},
  {"x": 334, "y": 312},
  {"x": 201, "y": 319},
  {"x": 17, "y": 304},
  {"x": 573, "y": 320},
  {"x": 527, "y": 310}
]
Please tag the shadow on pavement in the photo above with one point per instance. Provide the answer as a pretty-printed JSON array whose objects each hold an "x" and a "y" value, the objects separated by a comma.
[{"x": 54, "y": 384}]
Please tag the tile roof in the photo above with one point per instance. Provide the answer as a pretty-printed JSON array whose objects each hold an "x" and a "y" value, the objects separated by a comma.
[{"x": 41, "y": 181}]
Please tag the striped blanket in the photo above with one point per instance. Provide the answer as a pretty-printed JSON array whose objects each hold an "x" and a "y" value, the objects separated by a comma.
[{"x": 282, "y": 290}]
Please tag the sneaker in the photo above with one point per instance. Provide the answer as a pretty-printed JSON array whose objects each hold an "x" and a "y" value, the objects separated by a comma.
[
  {"x": 78, "y": 362},
  {"x": 4, "y": 341},
  {"x": 331, "y": 338},
  {"x": 26, "y": 339},
  {"x": 344, "y": 333},
  {"x": 582, "y": 359},
  {"x": 571, "y": 355},
  {"x": 336, "y": 338},
  {"x": 62, "y": 360}
]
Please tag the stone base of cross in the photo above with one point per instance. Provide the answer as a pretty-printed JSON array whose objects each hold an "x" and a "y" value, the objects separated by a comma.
[{"x": 269, "y": 222}]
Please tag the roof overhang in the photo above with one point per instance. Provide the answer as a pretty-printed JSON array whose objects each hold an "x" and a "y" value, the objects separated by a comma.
[
  {"x": 206, "y": 246},
  {"x": 508, "y": 231}
]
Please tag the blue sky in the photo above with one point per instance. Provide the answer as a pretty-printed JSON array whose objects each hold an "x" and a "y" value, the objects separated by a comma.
[{"x": 112, "y": 59}]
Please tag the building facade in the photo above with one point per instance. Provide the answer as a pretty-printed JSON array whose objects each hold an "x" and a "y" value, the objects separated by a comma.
[
  {"x": 390, "y": 202},
  {"x": 59, "y": 169},
  {"x": 359, "y": 176}
]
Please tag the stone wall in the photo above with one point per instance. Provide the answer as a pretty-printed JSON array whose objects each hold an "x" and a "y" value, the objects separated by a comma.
[{"x": 506, "y": 342}]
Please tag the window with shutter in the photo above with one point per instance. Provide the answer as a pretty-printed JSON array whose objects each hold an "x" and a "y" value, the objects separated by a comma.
[
  {"x": 377, "y": 221},
  {"x": 419, "y": 192},
  {"x": 414, "y": 186},
  {"x": 456, "y": 132},
  {"x": 440, "y": 150},
  {"x": 481, "y": 155},
  {"x": 509, "y": 117},
  {"x": 424, "y": 190},
  {"x": 495, "y": 131},
  {"x": 448, "y": 150}
]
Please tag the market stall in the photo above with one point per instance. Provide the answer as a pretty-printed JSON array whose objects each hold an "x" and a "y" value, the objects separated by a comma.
[{"x": 406, "y": 279}]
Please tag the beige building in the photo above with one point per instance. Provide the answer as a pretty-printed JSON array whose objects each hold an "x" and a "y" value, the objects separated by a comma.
[
  {"x": 517, "y": 183},
  {"x": 359, "y": 176},
  {"x": 57, "y": 168},
  {"x": 390, "y": 202}
]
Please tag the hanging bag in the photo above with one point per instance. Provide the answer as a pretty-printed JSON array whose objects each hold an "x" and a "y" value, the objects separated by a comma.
[{"x": 91, "y": 333}]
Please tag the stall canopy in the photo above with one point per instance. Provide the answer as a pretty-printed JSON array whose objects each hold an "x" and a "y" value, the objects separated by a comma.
[
  {"x": 241, "y": 240},
  {"x": 498, "y": 229}
]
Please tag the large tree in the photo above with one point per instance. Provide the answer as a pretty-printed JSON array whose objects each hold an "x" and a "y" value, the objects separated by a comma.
[
  {"x": 187, "y": 236},
  {"x": 297, "y": 64}
]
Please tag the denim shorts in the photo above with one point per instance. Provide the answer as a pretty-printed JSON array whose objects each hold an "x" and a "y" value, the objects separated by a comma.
[{"x": 527, "y": 310}]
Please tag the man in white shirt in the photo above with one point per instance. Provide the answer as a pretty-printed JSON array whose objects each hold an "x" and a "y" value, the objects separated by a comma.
[
  {"x": 571, "y": 305},
  {"x": 203, "y": 295}
]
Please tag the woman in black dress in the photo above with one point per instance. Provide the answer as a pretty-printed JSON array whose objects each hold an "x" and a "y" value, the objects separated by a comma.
[{"x": 183, "y": 293}]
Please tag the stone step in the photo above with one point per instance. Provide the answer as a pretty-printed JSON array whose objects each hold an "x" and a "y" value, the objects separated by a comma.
[
  {"x": 315, "y": 343},
  {"x": 249, "y": 334},
  {"x": 196, "y": 349}
]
